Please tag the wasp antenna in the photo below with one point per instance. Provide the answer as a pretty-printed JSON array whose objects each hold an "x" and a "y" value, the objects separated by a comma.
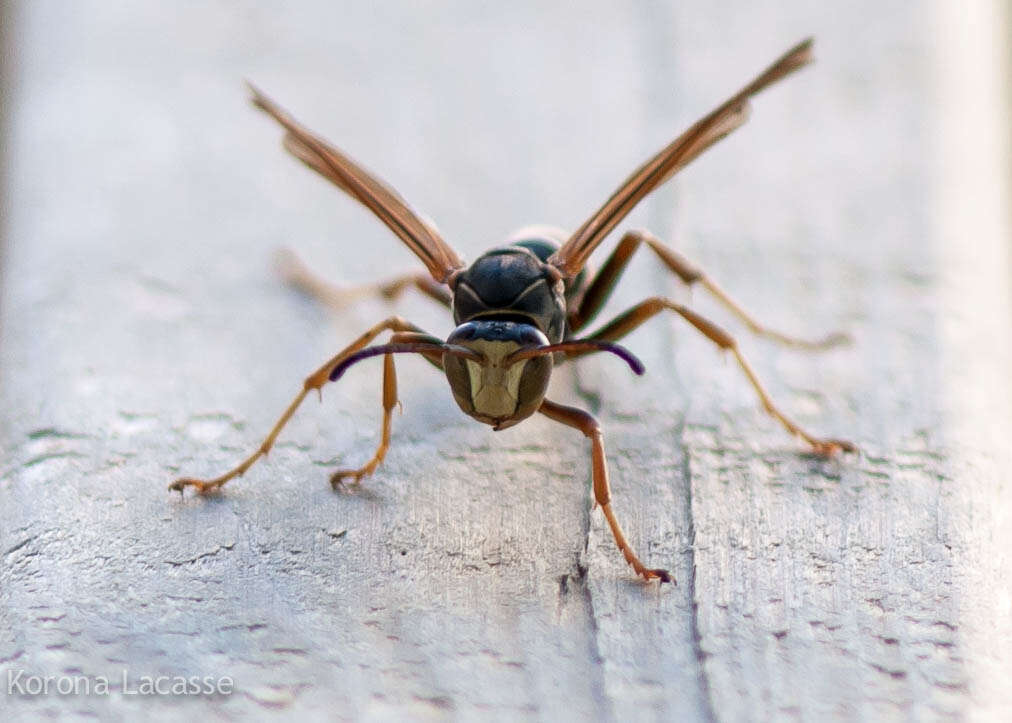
[
  {"x": 582, "y": 345},
  {"x": 409, "y": 348}
]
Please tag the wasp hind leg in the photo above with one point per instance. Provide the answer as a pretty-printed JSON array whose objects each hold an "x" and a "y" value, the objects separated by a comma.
[
  {"x": 601, "y": 286},
  {"x": 296, "y": 274}
]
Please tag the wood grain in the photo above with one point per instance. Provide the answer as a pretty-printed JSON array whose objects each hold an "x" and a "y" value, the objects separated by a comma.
[{"x": 144, "y": 336}]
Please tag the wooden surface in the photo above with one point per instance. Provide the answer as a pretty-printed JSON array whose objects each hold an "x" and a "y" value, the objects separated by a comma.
[{"x": 144, "y": 336}]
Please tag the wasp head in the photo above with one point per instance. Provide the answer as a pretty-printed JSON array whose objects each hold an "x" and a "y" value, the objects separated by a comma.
[{"x": 498, "y": 388}]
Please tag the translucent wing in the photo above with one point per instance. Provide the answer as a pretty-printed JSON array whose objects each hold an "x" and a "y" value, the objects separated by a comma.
[
  {"x": 370, "y": 191},
  {"x": 572, "y": 256}
]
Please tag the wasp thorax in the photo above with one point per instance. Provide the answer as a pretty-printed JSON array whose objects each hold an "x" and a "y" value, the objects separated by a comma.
[{"x": 497, "y": 390}]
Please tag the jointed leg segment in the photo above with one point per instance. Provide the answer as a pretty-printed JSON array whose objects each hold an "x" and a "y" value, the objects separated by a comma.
[
  {"x": 302, "y": 278},
  {"x": 601, "y": 287},
  {"x": 602, "y": 490},
  {"x": 626, "y": 322},
  {"x": 316, "y": 380},
  {"x": 389, "y": 402}
]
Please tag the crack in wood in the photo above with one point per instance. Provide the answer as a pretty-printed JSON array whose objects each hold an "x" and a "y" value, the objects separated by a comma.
[{"x": 695, "y": 625}]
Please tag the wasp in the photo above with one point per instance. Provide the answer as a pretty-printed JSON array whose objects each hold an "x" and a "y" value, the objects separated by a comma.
[{"x": 519, "y": 308}]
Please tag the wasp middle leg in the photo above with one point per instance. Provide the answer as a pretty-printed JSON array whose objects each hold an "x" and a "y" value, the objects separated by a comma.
[
  {"x": 628, "y": 321},
  {"x": 315, "y": 381}
]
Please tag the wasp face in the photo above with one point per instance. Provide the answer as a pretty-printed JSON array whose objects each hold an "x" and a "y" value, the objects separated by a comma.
[{"x": 496, "y": 390}]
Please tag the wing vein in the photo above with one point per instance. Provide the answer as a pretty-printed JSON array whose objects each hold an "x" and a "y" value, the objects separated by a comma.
[
  {"x": 702, "y": 134},
  {"x": 367, "y": 189}
]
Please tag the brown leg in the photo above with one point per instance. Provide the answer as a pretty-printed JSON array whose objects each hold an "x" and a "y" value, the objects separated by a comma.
[
  {"x": 316, "y": 380},
  {"x": 602, "y": 490},
  {"x": 298, "y": 275},
  {"x": 389, "y": 402},
  {"x": 625, "y": 323},
  {"x": 601, "y": 286}
]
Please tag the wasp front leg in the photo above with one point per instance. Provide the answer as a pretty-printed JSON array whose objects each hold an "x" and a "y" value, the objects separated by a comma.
[
  {"x": 591, "y": 428},
  {"x": 389, "y": 402}
]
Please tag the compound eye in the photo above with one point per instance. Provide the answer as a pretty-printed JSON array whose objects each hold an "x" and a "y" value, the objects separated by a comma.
[
  {"x": 530, "y": 336},
  {"x": 464, "y": 332}
]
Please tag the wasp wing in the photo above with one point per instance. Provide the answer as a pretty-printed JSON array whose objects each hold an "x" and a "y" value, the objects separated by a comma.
[
  {"x": 370, "y": 191},
  {"x": 573, "y": 254}
]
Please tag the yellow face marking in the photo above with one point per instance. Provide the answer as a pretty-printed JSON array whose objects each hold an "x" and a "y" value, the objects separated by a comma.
[{"x": 494, "y": 388}]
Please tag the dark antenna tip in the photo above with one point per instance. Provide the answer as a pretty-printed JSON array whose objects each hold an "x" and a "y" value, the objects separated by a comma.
[{"x": 589, "y": 345}]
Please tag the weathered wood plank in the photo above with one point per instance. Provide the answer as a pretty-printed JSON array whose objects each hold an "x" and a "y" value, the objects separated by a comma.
[
  {"x": 144, "y": 336},
  {"x": 846, "y": 588},
  {"x": 452, "y": 583}
]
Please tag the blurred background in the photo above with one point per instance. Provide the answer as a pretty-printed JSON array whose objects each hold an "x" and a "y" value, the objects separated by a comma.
[{"x": 144, "y": 335}]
